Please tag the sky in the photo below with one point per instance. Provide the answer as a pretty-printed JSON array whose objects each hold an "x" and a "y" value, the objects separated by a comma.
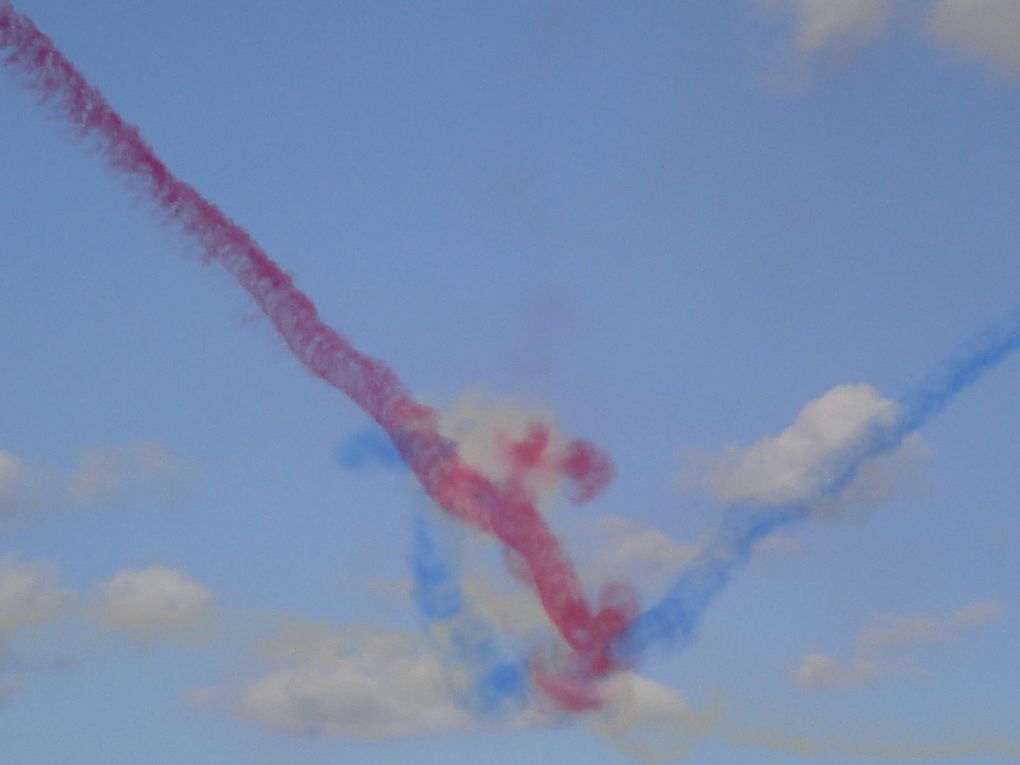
[{"x": 720, "y": 241}]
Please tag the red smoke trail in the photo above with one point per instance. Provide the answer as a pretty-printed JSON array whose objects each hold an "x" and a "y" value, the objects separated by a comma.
[{"x": 505, "y": 511}]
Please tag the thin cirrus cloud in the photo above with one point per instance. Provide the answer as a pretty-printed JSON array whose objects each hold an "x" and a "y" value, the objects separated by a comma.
[
  {"x": 103, "y": 474},
  {"x": 883, "y": 650}
]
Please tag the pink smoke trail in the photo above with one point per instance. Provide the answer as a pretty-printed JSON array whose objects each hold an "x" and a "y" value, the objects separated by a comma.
[{"x": 505, "y": 511}]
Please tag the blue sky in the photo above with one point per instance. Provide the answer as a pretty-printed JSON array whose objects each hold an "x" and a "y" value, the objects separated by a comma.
[{"x": 665, "y": 227}]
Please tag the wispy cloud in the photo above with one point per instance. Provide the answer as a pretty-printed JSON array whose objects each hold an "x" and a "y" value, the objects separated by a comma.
[
  {"x": 883, "y": 649},
  {"x": 819, "y": 25},
  {"x": 615, "y": 547},
  {"x": 985, "y": 30},
  {"x": 103, "y": 474},
  {"x": 29, "y": 595},
  {"x": 822, "y": 30}
]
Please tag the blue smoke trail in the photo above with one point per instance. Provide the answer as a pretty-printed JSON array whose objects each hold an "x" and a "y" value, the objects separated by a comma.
[
  {"x": 494, "y": 683},
  {"x": 487, "y": 682},
  {"x": 366, "y": 448},
  {"x": 672, "y": 621}
]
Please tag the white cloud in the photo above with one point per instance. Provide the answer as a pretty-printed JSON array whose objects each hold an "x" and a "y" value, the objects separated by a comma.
[
  {"x": 485, "y": 432},
  {"x": 505, "y": 440},
  {"x": 355, "y": 684},
  {"x": 367, "y": 683},
  {"x": 800, "y": 464},
  {"x": 153, "y": 601},
  {"x": 882, "y": 649},
  {"x": 349, "y": 698},
  {"x": 515, "y": 613},
  {"x": 987, "y": 30},
  {"x": 29, "y": 595},
  {"x": 370, "y": 684},
  {"x": 617, "y": 548},
  {"x": 648, "y": 720}
]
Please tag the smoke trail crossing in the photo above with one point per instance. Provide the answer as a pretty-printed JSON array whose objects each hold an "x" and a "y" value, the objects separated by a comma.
[
  {"x": 478, "y": 672},
  {"x": 672, "y": 621}
]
